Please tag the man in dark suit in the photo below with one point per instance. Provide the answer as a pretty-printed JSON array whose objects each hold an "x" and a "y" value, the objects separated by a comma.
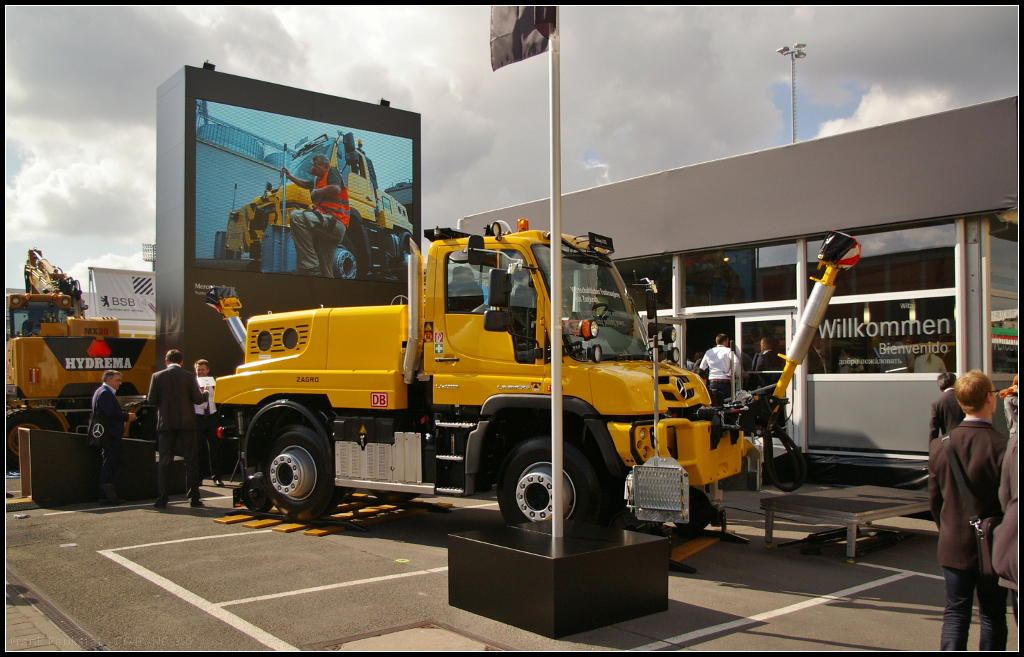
[
  {"x": 175, "y": 391},
  {"x": 768, "y": 360},
  {"x": 104, "y": 403},
  {"x": 946, "y": 412}
]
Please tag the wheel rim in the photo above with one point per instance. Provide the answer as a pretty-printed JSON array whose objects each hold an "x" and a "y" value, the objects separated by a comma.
[
  {"x": 534, "y": 493},
  {"x": 293, "y": 473},
  {"x": 344, "y": 263},
  {"x": 12, "y": 436}
]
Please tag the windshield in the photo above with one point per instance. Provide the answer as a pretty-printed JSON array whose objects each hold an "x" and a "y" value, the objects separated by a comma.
[
  {"x": 593, "y": 289},
  {"x": 27, "y": 320}
]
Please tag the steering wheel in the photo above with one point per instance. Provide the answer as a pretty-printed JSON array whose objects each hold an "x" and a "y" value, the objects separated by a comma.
[{"x": 601, "y": 310}]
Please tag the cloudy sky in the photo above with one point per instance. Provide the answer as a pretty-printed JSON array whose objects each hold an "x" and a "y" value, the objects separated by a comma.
[{"x": 643, "y": 90}]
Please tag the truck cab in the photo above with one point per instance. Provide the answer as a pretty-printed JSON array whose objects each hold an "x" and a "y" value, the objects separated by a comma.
[{"x": 450, "y": 394}]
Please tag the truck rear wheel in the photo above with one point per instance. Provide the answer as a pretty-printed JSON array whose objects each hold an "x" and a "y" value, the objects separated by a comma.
[
  {"x": 30, "y": 419},
  {"x": 299, "y": 474},
  {"x": 525, "y": 484}
]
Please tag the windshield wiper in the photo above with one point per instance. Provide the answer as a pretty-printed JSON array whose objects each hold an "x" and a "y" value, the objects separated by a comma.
[{"x": 591, "y": 256}]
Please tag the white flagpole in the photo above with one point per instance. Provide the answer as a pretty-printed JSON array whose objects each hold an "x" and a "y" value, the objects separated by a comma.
[{"x": 557, "y": 520}]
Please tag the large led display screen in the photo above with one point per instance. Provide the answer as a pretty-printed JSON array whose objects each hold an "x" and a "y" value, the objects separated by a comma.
[{"x": 346, "y": 207}]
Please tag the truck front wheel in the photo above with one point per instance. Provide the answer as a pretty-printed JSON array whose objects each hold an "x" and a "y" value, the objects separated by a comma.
[
  {"x": 525, "y": 484},
  {"x": 299, "y": 474}
]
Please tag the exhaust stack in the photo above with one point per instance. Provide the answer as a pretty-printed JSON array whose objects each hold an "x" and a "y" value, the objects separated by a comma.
[{"x": 410, "y": 361}]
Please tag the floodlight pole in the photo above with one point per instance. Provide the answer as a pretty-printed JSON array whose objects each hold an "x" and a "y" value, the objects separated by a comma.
[
  {"x": 792, "y": 91},
  {"x": 796, "y": 53},
  {"x": 558, "y": 506}
]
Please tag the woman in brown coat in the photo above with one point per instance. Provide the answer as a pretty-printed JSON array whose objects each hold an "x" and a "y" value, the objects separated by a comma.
[{"x": 979, "y": 449}]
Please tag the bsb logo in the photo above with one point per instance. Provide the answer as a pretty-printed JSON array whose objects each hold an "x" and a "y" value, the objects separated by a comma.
[{"x": 96, "y": 354}]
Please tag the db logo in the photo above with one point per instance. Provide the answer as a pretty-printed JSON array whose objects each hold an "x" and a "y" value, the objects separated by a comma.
[{"x": 379, "y": 399}]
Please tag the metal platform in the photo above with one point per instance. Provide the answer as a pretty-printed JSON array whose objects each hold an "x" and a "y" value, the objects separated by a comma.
[{"x": 850, "y": 507}]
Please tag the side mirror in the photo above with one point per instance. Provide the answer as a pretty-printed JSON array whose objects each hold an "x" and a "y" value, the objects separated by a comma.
[
  {"x": 499, "y": 288},
  {"x": 652, "y": 306},
  {"x": 496, "y": 320},
  {"x": 475, "y": 250}
]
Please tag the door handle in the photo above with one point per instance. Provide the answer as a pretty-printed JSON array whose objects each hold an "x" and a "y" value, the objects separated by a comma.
[{"x": 452, "y": 359}]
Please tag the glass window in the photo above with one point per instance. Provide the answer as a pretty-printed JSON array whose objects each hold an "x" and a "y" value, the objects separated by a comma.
[
  {"x": 1004, "y": 336},
  {"x": 741, "y": 275},
  {"x": 467, "y": 284},
  {"x": 656, "y": 268},
  {"x": 907, "y": 335},
  {"x": 593, "y": 289},
  {"x": 918, "y": 258},
  {"x": 1003, "y": 248}
]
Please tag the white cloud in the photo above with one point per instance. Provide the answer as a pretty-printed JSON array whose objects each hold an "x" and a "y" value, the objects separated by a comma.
[
  {"x": 134, "y": 262},
  {"x": 647, "y": 88},
  {"x": 97, "y": 181},
  {"x": 877, "y": 107}
]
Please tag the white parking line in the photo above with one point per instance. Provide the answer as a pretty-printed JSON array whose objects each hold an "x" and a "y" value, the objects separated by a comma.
[
  {"x": 901, "y": 570},
  {"x": 327, "y": 587},
  {"x": 243, "y": 626},
  {"x": 187, "y": 540},
  {"x": 475, "y": 506},
  {"x": 131, "y": 506},
  {"x": 758, "y": 618}
]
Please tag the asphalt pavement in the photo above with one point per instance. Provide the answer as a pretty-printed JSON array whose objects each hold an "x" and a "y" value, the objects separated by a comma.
[{"x": 134, "y": 577}]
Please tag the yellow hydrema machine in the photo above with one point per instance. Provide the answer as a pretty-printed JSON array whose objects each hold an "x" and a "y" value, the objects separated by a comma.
[
  {"x": 56, "y": 355},
  {"x": 449, "y": 394}
]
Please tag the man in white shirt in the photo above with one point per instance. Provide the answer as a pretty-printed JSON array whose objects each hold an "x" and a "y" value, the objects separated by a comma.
[
  {"x": 210, "y": 457},
  {"x": 720, "y": 362}
]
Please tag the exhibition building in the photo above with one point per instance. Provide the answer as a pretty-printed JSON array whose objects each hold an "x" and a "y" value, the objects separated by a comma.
[{"x": 732, "y": 245}]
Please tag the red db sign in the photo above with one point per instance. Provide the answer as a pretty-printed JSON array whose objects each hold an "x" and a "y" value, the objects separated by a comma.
[{"x": 379, "y": 399}]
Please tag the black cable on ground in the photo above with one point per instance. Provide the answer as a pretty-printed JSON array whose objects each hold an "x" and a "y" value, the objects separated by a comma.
[{"x": 795, "y": 455}]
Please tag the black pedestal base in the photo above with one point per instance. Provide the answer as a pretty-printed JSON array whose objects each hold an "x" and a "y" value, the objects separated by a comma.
[{"x": 589, "y": 578}]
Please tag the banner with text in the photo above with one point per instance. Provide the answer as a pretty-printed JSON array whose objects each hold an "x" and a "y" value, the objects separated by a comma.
[
  {"x": 893, "y": 337},
  {"x": 123, "y": 294}
]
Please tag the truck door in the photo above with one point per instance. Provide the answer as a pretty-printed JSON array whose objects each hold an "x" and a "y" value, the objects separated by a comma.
[{"x": 471, "y": 364}]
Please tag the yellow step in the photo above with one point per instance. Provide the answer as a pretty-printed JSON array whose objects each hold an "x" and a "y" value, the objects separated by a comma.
[
  {"x": 260, "y": 524},
  {"x": 231, "y": 520},
  {"x": 291, "y": 527},
  {"x": 693, "y": 546}
]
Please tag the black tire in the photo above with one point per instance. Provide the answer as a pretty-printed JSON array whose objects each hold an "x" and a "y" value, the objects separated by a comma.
[
  {"x": 392, "y": 497},
  {"x": 702, "y": 512},
  {"x": 254, "y": 494},
  {"x": 30, "y": 419},
  {"x": 299, "y": 474},
  {"x": 345, "y": 265},
  {"x": 528, "y": 459}
]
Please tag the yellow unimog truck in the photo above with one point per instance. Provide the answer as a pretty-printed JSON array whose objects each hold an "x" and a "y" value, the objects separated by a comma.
[
  {"x": 56, "y": 356},
  {"x": 449, "y": 394},
  {"x": 379, "y": 234}
]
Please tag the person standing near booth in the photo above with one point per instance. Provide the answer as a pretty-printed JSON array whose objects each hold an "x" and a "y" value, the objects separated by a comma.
[
  {"x": 174, "y": 391},
  {"x": 979, "y": 450},
  {"x": 104, "y": 404},
  {"x": 721, "y": 364},
  {"x": 207, "y": 421}
]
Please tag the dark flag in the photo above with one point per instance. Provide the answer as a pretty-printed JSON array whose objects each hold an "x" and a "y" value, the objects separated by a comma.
[{"x": 518, "y": 33}]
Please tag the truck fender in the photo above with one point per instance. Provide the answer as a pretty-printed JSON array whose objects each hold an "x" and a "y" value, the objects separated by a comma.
[
  {"x": 266, "y": 414},
  {"x": 593, "y": 420}
]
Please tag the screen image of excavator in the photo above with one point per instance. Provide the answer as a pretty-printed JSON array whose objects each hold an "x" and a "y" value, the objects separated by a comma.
[{"x": 276, "y": 194}]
